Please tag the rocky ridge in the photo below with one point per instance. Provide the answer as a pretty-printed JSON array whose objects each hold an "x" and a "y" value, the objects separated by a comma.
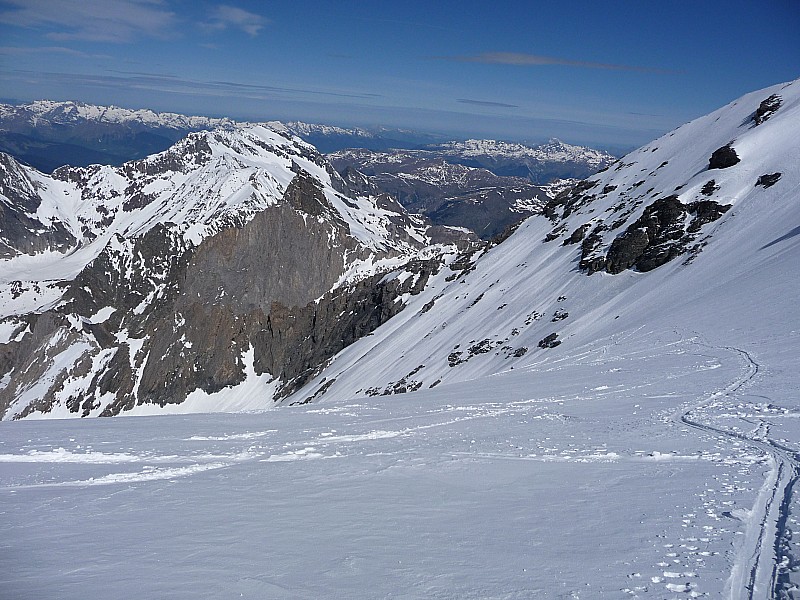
[{"x": 238, "y": 257}]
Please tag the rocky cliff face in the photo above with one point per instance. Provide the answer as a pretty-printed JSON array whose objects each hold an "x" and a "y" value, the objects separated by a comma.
[{"x": 228, "y": 262}]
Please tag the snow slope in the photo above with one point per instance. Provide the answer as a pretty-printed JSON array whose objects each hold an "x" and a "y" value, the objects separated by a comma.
[
  {"x": 577, "y": 480},
  {"x": 520, "y": 291}
]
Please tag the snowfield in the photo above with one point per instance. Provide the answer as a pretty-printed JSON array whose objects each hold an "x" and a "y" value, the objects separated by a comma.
[
  {"x": 653, "y": 454},
  {"x": 621, "y": 469}
]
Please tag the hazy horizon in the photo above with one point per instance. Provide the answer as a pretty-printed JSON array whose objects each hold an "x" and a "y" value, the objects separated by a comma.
[{"x": 610, "y": 76}]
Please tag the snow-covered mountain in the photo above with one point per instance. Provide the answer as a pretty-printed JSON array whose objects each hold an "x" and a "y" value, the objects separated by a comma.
[
  {"x": 552, "y": 150},
  {"x": 52, "y": 113},
  {"x": 710, "y": 201},
  {"x": 603, "y": 405},
  {"x": 540, "y": 164},
  {"x": 660, "y": 204},
  {"x": 242, "y": 228},
  {"x": 447, "y": 182}
]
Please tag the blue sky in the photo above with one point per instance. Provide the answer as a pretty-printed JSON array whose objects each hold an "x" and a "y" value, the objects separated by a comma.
[{"x": 610, "y": 74}]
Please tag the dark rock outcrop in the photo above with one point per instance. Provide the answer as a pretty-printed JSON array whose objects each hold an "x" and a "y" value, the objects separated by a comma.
[
  {"x": 550, "y": 341},
  {"x": 660, "y": 234},
  {"x": 766, "y": 109},
  {"x": 577, "y": 235},
  {"x": 709, "y": 188},
  {"x": 626, "y": 250},
  {"x": 768, "y": 179},
  {"x": 723, "y": 157},
  {"x": 590, "y": 262}
]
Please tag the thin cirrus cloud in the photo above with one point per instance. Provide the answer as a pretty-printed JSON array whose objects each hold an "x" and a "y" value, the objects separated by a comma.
[
  {"x": 527, "y": 60},
  {"x": 486, "y": 103},
  {"x": 118, "y": 21},
  {"x": 172, "y": 84},
  {"x": 91, "y": 20},
  {"x": 231, "y": 17},
  {"x": 20, "y": 51}
]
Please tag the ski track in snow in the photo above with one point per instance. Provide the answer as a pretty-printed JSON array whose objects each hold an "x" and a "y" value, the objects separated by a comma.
[{"x": 755, "y": 570}]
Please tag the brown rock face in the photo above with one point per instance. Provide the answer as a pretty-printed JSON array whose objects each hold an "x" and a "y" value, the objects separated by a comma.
[{"x": 185, "y": 317}]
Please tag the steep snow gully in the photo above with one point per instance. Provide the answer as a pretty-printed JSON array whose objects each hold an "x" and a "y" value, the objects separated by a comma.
[{"x": 759, "y": 567}]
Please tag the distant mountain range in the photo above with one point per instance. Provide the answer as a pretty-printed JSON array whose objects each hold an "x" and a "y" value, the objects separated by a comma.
[
  {"x": 45, "y": 134},
  {"x": 482, "y": 185},
  {"x": 447, "y": 193}
]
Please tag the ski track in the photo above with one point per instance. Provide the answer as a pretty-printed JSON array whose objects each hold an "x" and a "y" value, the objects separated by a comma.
[{"x": 755, "y": 574}]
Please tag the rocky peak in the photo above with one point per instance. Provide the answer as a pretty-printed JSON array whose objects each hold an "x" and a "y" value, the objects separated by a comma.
[{"x": 228, "y": 257}]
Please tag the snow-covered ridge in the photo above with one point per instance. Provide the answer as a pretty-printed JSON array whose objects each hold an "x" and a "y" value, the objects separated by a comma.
[
  {"x": 554, "y": 149},
  {"x": 204, "y": 183},
  {"x": 69, "y": 112},
  {"x": 304, "y": 129},
  {"x": 677, "y": 168}
]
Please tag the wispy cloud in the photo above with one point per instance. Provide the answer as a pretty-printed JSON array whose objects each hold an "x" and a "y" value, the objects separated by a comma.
[
  {"x": 486, "y": 103},
  {"x": 528, "y": 60},
  {"x": 91, "y": 20},
  {"x": 25, "y": 50},
  {"x": 225, "y": 17},
  {"x": 173, "y": 84}
]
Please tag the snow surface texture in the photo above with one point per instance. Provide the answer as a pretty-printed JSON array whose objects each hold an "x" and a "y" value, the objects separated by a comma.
[
  {"x": 576, "y": 479},
  {"x": 652, "y": 454}
]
